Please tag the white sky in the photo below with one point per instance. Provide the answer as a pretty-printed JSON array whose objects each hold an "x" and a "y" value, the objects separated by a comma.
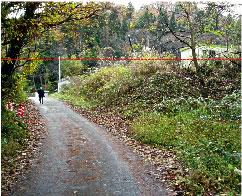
[{"x": 138, "y": 3}]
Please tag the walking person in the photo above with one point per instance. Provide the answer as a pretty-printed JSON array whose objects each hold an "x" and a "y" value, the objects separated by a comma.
[{"x": 41, "y": 93}]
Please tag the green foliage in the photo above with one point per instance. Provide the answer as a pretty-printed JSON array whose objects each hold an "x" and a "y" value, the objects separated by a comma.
[
  {"x": 185, "y": 48},
  {"x": 114, "y": 22},
  {"x": 124, "y": 28},
  {"x": 107, "y": 84},
  {"x": 161, "y": 26},
  {"x": 16, "y": 93},
  {"x": 51, "y": 86},
  {"x": 172, "y": 22},
  {"x": 70, "y": 93},
  {"x": 146, "y": 20},
  {"x": 13, "y": 130},
  {"x": 209, "y": 147},
  {"x": 213, "y": 46},
  {"x": 72, "y": 68},
  {"x": 90, "y": 53}
]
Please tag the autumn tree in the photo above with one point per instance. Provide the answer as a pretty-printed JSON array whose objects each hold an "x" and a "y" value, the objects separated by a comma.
[
  {"x": 23, "y": 22},
  {"x": 197, "y": 23},
  {"x": 186, "y": 17}
]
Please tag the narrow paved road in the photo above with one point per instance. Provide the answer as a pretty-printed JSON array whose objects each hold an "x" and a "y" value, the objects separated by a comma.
[{"x": 81, "y": 158}]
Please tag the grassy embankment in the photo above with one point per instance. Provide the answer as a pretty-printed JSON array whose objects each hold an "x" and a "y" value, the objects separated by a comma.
[{"x": 169, "y": 112}]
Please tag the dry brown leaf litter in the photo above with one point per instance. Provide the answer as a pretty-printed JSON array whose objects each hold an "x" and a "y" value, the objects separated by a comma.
[{"x": 169, "y": 170}]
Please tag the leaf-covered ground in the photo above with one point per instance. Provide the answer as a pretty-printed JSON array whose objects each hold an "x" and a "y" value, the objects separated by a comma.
[
  {"x": 164, "y": 160},
  {"x": 18, "y": 164}
]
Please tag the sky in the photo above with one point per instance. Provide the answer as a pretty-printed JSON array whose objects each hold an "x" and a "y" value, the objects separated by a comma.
[{"x": 138, "y": 3}]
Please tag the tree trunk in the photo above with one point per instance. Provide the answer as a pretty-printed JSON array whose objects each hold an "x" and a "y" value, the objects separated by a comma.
[
  {"x": 34, "y": 84},
  {"x": 44, "y": 80},
  {"x": 227, "y": 43},
  {"x": 41, "y": 81},
  {"x": 198, "y": 69},
  {"x": 16, "y": 43}
]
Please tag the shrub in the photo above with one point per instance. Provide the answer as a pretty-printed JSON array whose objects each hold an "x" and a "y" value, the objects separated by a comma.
[
  {"x": 72, "y": 68},
  {"x": 109, "y": 83},
  {"x": 12, "y": 130},
  {"x": 149, "y": 67}
]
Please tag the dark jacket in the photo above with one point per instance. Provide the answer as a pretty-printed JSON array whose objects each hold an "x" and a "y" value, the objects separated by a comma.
[{"x": 41, "y": 92}]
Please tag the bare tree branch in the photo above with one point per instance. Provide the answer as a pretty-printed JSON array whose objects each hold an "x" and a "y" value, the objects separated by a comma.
[{"x": 173, "y": 32}]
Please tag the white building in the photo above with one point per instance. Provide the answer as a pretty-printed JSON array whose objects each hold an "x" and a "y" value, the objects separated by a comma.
[{"x": 203, "y": 52}]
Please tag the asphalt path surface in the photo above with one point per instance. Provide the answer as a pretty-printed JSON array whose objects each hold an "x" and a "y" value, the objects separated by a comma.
[{"x": 81, "y": 158}]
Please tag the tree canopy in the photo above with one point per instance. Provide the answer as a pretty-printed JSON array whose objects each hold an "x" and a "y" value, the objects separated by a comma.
[{"x": 24, "y": 22}]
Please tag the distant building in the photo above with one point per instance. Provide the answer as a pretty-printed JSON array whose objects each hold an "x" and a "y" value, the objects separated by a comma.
[
  {"x": 203, "y": 52},
  {"x": 63, "y": 82}
]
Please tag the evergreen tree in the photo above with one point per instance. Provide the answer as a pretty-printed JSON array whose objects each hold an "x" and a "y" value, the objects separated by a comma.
[
  {"x": 130, "y": 10},
  {"x": 172, "y": 22},
  {"x": 161, "y": 27},
  {"x": 124, "y": 28},
  {"x": 145, "y": 20},
  {"x": 199, "y": 17},
  {"x": 114, "y": 22}
]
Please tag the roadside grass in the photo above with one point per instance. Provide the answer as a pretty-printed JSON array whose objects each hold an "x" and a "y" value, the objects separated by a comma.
[
  {"x": 211, "y": 148},
  {"x": 77, "y": 101},
  {"x": 214, "y": 46}
]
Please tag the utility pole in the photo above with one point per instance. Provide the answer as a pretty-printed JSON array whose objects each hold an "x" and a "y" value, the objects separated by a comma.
[{"x": 59, "y": 76}]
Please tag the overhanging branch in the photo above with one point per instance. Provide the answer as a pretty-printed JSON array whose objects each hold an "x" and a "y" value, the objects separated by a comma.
[{"x": 173, "y": 32}]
